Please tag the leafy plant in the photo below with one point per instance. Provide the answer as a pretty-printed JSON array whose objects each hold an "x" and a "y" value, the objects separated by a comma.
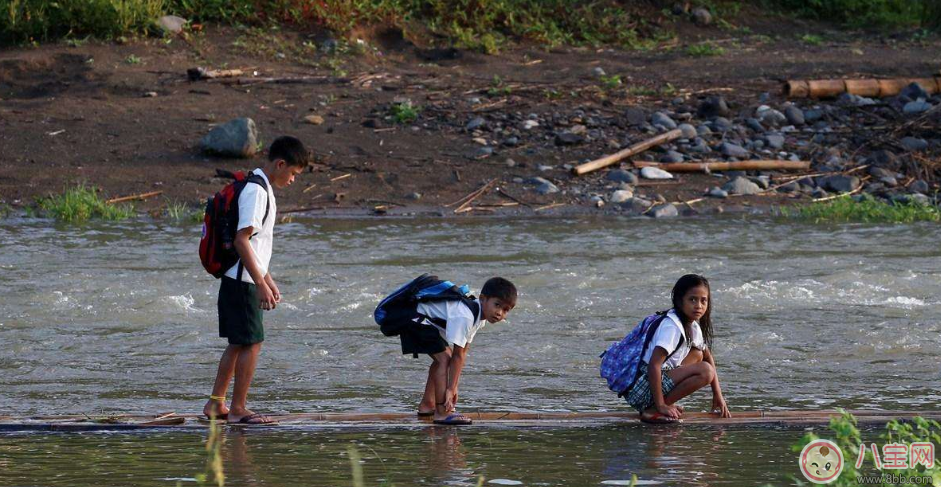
[
  {"x": 82, "y": 203},
  {"x": 611, "y": 82},
  {"x": 132, "y": 59},
  {"x": 404, "y": 112},
  {"x": 812, "y": 39}
]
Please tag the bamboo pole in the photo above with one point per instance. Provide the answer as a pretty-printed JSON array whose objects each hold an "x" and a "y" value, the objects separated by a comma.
[
  {"x": 140, "y": 197},
  {"x": 881, "y": 88},
  {"x": 635, "y": 149},
  {"x": 753, "y": 165}
]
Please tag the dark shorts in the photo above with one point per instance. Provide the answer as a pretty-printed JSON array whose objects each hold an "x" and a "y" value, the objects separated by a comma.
[
  {"x": 422, "y": 340},
  {"x": 639, "y": 396},
  {"x": 239, "y": 314}
]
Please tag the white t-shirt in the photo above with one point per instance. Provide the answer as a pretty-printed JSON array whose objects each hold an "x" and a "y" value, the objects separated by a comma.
[
  {"x": 668, "y": 336},
  {"x": 461, "y": 326},
  {"x": 251, "y": 213}
]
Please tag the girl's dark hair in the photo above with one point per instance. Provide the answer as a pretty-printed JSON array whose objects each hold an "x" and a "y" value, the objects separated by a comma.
[{"x": 682, "y": 286}]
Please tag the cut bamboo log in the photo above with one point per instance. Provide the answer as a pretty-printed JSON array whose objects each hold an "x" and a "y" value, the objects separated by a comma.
[
  {"x": 717, "y": 166},
  {"x": 635, "y": 149},
  {"x": 200, "y": 73},
  {"x": 878, "y": 88},
  {"x": 136, "y": 197}
]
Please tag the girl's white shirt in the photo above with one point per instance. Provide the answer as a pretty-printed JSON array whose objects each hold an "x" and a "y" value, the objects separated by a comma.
[{"x": 668, "y": 336}]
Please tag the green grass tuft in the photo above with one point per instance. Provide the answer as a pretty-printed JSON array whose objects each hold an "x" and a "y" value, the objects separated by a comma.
[
  {"x": 181, "y": 212},
  {"x": 404, "y": 112},
  {"x": 812, "y": 39},
  {"x": 867, "y": 210},
  {"x": 82, "y": 203},
  {"x": 705, "y": 49}
]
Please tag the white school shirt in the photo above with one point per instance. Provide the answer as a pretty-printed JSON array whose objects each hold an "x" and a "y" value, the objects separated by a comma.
[
  {"x": 251, "y": 214},
  {"x": 668, "y": 336},
  {"x": 462, "y": 325}
]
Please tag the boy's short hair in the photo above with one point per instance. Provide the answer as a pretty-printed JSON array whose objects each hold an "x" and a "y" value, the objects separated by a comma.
[
  {"x": 500, "y": 288},
  {"x": 289, "y": 149}
]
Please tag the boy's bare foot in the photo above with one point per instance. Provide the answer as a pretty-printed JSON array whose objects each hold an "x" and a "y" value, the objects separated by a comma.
[
  {"x": 216, "y": 408},
  {"x": 425, "y": 410}
]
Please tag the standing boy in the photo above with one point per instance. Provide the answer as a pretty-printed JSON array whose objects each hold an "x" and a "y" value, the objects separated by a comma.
[
  {"x": 444, "y": 330},
  {"x": 248, "y": 288}
]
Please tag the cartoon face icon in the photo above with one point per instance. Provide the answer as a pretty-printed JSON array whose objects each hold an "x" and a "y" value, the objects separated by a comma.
[{"x": 821, "y": 461}]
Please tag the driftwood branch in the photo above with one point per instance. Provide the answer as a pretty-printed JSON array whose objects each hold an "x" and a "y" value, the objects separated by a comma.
[
  {"x": 630, "y": 151},
  {"x": 136, "y": 197},
  {"x": 880, "y": 88},
  {"x": 717, "y": 166}
]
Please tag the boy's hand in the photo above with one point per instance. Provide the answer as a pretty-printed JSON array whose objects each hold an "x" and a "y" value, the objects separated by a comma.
[
  {"x": 275, "y": 291},
  {"x": 266, "y": 300},
  {"x": 720, "y": 407},
  {"x": 669, "y": 410},
  {"x": 450, "y": 400}
]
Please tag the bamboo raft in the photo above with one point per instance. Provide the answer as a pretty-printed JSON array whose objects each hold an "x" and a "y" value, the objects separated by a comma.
[{"x": 481, "y": 418}]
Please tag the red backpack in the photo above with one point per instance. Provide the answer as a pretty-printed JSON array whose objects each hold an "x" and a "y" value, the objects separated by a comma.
[{"x": 220, "y": 224}]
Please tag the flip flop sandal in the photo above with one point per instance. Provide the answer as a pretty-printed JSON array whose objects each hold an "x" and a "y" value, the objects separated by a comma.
[
  {"x": 255, "y": 419},
  {"x": 454, "y": 420},
  {"x": 658, "y": 418},
  {"x": 218, "y": 417},
  {"x": 426, "y": 414}
]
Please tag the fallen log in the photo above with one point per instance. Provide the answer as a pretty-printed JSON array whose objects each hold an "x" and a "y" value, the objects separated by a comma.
[
  {"x": 637, "y": 148},
  {"x": 136, "y": 197},
  {"x": 200, "y": 73},
  {"x": 717, "y": 166},
  {"x": 878, "y": 88}
]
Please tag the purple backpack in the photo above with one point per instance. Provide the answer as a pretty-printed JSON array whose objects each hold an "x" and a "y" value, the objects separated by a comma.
[{"x": 620, "y": 364}]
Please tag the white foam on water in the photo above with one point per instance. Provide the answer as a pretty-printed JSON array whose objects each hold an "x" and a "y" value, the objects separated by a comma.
[
  {"x": 628, "y": 482},
  {"x": 186, "y": 303},
  {"x": 314, "y": 292},
  {"x": 504, "y": 482},
  {"x": 906, "y": 302}
]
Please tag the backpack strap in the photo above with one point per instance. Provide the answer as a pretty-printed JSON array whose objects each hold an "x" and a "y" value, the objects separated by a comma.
[{"x": 255, "y": 178}]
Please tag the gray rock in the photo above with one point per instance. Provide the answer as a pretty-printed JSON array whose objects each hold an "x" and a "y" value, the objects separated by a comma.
[
  {"x": 914, "y": 91},
  {"x": 543, "y": 185},
  {"x": 568, "y": 138},
  {"x": 813, "y": 115},
  {"x": 414, "y": 196},
  {"x": 878, "y": 172},
  {"x": 597, "y": 72},
  {"x": 654, "y": 173},
  {"x": 770, "y": 116},
  {"x": 172, "y": 24},
  {"x": 475, "y": 123},
  {"x": 889, "y": 181},
  {"x": 329, "y": 46},
  {"x": 729, "y": 149},
  {"x": 689, "y": 132},
  {"x": 703, "y": 130},
  {"x": 511, "y": 141},
  {"x": 713, "y": 106},
  {"x": 763, "y": 182},
  {"x": 920, "y": 186},
  {"x": 717, "y": 192},
  {"x": 635, "y": 116},
  {"x": 917, "y": 106},
  {"x": 775, "y": 141},
  {"x": 578, "y": 129},
  {"x": 510, "y": 163},
  {"x": 483, "y": 153},
  {"x": 666, "y": 210},
  {"x": 529, "y": 124},
  {"x": 621, "y": 176},
  {"x": 839, "y": 183},
  {"x": 741, "y": 186},
  {"x": 913, "y": 144},
  {"x": 722, "y": 124},
  {"x": 663, "y": 120},
  {"x": 701, "y": 16},
  {"x": 755, "y": 125},
  {"x": 672, "y": 156},
  {"x": 235, "y": 138},
  {"x": 621, "y": 196},
  {"x": 791, "y": 187},
  {"x": 795, "y": 116}
]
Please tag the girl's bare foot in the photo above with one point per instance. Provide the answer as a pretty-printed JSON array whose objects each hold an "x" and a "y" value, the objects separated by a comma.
[{"x": 215, "y": 408}]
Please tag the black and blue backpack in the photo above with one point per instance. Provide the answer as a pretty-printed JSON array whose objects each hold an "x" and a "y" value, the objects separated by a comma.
[
  {"x": 620, "y": 364},
  {"x": 399, "y": 310}
]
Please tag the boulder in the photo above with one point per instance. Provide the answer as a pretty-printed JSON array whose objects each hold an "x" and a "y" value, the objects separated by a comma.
[{"x": 236, "y": 138}]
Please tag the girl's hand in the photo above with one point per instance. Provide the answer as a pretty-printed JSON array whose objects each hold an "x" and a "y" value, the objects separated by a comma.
[
  {"x": 720, "y": 407},
  {"x": 669, "y": 411}
]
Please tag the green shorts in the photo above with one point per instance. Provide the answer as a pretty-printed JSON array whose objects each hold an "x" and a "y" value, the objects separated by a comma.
[{"x": 240, "y": 317}]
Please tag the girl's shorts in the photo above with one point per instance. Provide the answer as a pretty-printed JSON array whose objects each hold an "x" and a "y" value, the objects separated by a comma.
[{"x": 639, "y": 396}]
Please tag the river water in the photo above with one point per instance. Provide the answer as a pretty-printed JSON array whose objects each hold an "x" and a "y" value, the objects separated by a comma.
[{"x": 120, "y": 317}]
